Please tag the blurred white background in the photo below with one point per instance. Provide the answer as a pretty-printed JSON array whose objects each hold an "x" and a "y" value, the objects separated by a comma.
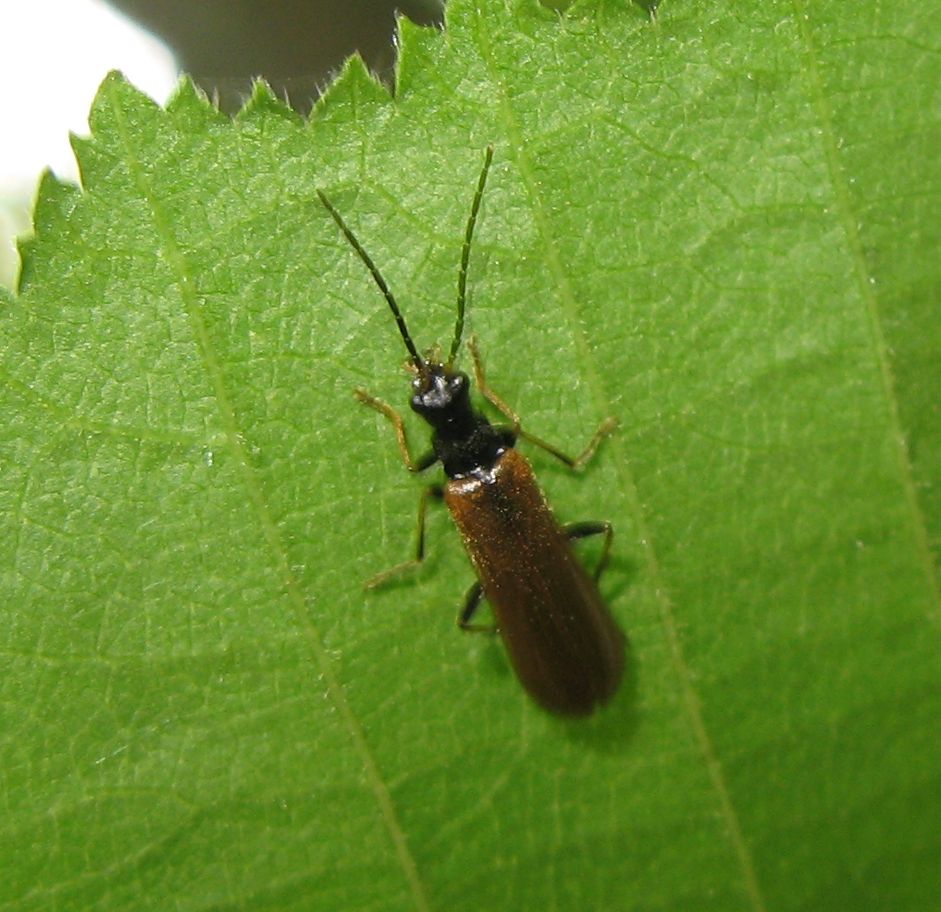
[{"x": 53, "y": 56}]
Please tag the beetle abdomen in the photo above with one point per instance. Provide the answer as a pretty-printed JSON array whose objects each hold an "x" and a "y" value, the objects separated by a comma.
[{"x": 565, "y": 646}]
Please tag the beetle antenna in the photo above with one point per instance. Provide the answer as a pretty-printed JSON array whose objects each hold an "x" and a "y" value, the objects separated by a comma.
[
  {"x": 378, "y": 279},
  {"x": 465, "y": 256}
]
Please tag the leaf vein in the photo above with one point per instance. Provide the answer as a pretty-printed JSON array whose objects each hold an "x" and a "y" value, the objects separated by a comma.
[{"x": 269, "y": 528}]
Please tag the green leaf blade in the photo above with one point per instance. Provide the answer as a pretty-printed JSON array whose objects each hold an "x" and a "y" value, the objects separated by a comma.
[{"x": 201, "y": 705}]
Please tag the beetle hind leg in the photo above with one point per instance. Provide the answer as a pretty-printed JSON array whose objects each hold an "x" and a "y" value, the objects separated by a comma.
[
  {"x": 472, "y": 600},
  {"x": 578, "y": 530}
]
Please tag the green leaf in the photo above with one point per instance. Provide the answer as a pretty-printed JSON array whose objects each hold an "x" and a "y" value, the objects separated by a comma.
[{"x": 720, "y": 228}]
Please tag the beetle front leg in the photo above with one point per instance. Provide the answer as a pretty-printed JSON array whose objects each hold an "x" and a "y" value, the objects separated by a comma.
[
  {"x": 413, "y": 465},
  {"x": 605, "y": 429}
]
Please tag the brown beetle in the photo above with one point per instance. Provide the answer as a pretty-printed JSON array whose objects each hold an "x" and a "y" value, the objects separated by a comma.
[{"x": 564, "y": 645}]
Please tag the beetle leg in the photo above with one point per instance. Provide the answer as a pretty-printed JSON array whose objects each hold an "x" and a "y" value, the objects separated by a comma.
[
  {"x": 485, "y": 390},
  {"x": 435, "y": 491},
  {"x": 577, "y": 462},
  {"x": 472, "y": 602},
  {"x": 584, "y": 530},
  {"x": 605, "y": 429},
  {"x": 413, "y": 465}
]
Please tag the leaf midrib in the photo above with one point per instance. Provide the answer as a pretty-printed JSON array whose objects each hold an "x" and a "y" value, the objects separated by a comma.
[{"x": 178, "y": 266}]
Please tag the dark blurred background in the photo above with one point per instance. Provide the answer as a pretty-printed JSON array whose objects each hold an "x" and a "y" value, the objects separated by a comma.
[{"x": 294, "y": 44}]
